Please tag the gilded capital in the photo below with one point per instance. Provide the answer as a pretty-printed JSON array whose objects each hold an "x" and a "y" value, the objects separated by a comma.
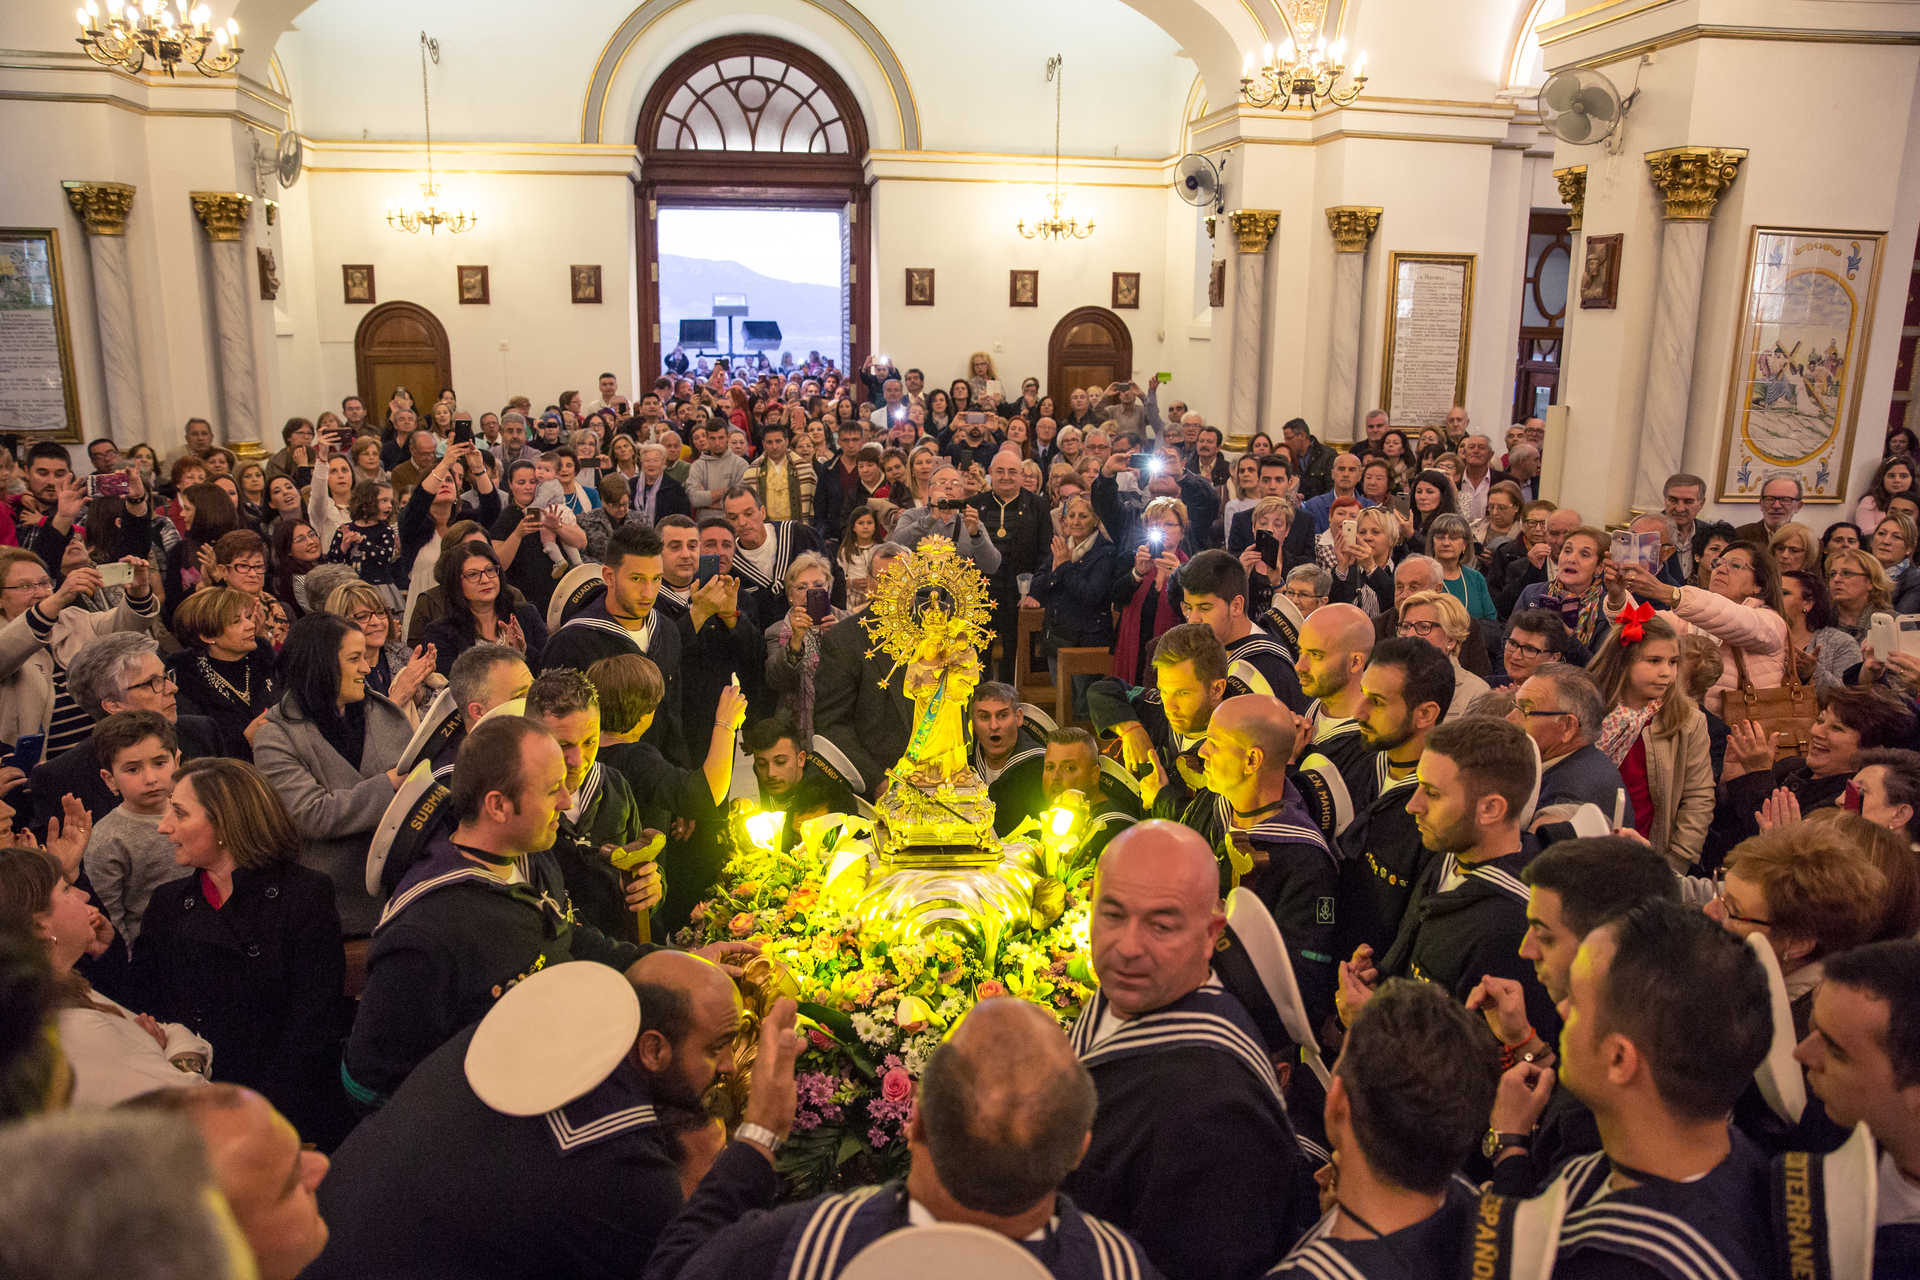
[
  {"x": 1213, "y": 220},
  {"x": 1254, "y": 227},
  {"x": 222, "y": 213},
  {"x": 1573, "y": 191},
  {"x": 102, "y": 206},
  {"x": 1692, "y": 178},
  {"x": 1353, "y": 226}
]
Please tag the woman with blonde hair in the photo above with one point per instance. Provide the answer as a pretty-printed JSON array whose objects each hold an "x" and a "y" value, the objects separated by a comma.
[
  {"x": 401, "y": 676},
  {"x": 793, "y": 643},
  {"x": 1443, "y": 622},
  {"x": 1655, "y": 735},
  {"x": 1361, "y": 565},
  {"x": 1793, "y": 546},
  {"x": 1075, "y": 586},
  {"x": 1860, "y": 588},
  {"x": 983, "y": 381},
  {"x": 1140, "y": 584}
]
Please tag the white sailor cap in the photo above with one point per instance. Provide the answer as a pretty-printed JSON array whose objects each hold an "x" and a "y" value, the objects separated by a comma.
[
  {"x": 1324, "y": 791},
  {"x": 414, "y": 815},
  {"x": 836, "y": 764},
  {"x": 1252, "y": 963},
  {"x": 1782, "y": 1086},
  {"x": 440, "y": 724},
  {"x": 1041, "y": 721},
  {"x": 553, "y": 1037},
  {"x": 1286, "y": 620},
  {"x": 944, "y": 1251},
  {"x": 511, "y": 707},
  {"x": 1533, "y": 797},
  {"x": 582, "y": 585}
]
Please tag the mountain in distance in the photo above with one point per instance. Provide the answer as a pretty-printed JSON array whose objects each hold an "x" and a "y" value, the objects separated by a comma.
[{"x": 808, "y": 314}]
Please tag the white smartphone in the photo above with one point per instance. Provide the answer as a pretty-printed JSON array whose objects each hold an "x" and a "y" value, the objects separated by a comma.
[{"x": 116, "y": 575}]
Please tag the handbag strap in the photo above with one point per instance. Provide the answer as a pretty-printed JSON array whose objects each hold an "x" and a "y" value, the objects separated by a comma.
[{"x": 1740, "y": 669}]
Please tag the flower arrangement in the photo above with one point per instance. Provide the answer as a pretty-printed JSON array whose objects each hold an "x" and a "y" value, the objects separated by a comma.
[{"x": 874, "y": 1005}]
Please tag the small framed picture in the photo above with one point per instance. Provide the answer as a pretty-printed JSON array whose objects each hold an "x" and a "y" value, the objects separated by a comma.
[
  {"x": 473, "y": 287},
  {"x": 1217, "y": 283},
  {"x": 1600, "y": 274},
  {"x": 586, "y": 283},
  {"x": 1126, "y": 291},
  {"x": 919, "y": 286},
  {"x": 356, "y": 281},
  {"x": 1023, "y": 288}
]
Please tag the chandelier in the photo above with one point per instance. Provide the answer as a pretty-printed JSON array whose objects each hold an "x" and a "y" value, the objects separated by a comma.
[
  {"x": 1307, "y": 71},
  {"x": 428, "y": 215},
  {"x": 1053, "y": 226},
  {"x": 150, "y": 29}
]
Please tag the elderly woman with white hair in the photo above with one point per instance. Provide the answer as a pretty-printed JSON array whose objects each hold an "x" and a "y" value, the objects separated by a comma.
[{"x": 793, "y": 643}]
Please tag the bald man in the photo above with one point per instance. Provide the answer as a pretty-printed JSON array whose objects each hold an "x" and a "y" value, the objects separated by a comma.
[
  {"x": 1192, "y": 1152},
  {"x": 1002, "y": 1113},
  {"x": 438, "y": 1183},
  {"x": 1263, "y": 836},
  {"x": 1335, "y": 643}
]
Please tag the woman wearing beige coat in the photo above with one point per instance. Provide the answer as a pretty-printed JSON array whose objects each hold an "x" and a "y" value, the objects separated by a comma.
[
  {"x": 1655, "y": 735},
  {"x": 41, "y": 629}
]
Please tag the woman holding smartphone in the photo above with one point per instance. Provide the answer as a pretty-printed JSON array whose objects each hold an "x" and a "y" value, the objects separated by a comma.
[{"x": 793, "y": 645}]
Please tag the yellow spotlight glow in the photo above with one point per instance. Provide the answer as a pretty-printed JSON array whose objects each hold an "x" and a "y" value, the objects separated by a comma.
[
  {"x": 764, "y": 829},
  {"x": 1059, "y": 822}
]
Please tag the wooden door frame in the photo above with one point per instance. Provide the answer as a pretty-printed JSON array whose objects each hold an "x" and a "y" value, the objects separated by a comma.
[
  {"x": 1056, "y": 346},
  {"x": 363, "y": 366},
  {"x": 691, "y": 179}
]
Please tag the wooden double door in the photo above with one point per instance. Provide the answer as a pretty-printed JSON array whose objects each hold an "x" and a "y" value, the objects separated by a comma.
[
  {"x": 1090, "y": 347},
  {"x": 400, "y": 344}
]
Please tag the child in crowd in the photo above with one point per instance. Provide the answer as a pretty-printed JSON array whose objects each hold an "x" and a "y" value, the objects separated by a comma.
[
  {"x": 369, "y": 542},
  {"x": 552, "y": 494},
  {"x": 126, "y": 857}
]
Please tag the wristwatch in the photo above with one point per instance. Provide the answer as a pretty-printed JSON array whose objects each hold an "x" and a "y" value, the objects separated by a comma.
[
  {"x": 761, "y": 1134},
  {"x": 1494, "y": 1143}
]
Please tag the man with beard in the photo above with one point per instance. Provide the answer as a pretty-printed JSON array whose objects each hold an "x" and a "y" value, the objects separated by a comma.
[
  {"x": 1258, "y": 828},
  {"x": 1336, "y": 766},
  {"x": 718, "y": 642},
  {"x": 1192, "y": 1152},
  {"x": 624, "y": 620},
  {"x": 1069, "y": 762},
  {"x": 1160, "y": 729},
  {"x": 1574, "y": 887},
  {"x": 1022, "y": 531},
  {"x": 1475, "y": 783},
  {"x": 493, "y": 1164},
  {"x": 1403, "y": 694}
]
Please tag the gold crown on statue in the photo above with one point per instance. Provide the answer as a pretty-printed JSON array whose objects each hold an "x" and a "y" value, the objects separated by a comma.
[{"x": 928, "y": 600}]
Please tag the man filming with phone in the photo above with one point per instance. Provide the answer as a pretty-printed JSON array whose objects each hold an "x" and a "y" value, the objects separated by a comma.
[{"x": 950, "y": 515}]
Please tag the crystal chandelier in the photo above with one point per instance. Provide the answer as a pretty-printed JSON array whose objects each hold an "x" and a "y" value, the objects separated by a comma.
[
  {"x": 428, "y": 215},
  {"x": 150, "y": 29},
  {"x": 1307, "y": 71},
  {"x": 1052, "y": 226}
]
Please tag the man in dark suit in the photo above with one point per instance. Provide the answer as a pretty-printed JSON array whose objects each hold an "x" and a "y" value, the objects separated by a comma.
[
  {"x": 1780, "y": 497},
  {"x": 1422, "y": 573},
  {"x": 121, "y": 671},
  {"x": 868, "y": 721}
]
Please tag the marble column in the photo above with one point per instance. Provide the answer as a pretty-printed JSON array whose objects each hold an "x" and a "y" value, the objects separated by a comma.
[
  {"x": 1353, "y": 226},
  {"x": 103, "y": 208},
  {"x": 1254, "y": 228},
  {"x": 1573, "y": 193},
  {"x": 224, "y": 215},
  {"x": 1691, "y": 178}
]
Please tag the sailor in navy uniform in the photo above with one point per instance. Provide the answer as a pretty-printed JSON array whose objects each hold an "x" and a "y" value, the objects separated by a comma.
[
  {"x": 1002, "y": 1111},
  {"x": 1190, "y": 676},
  {"x": 1002, "y": 737},
  {"x": 1252, "y": 818},
  {"x": 1398, "y": 1133},
  {"x": 716, "y": 649},
  {"x": 1337, "y": 762},
  {"x": 482, "y": 908},
  {"x": 615, "y": 614},
  {"x": 1192, "y": 1152},
  {"x": 539, "y": 1142},
  {"x": 1069, "y": 763},
  {"x": 763, "y": 550},
  {"x": 1215, "y": 593}
]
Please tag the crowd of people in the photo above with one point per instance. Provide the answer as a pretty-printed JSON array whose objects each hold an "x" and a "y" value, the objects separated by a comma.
[{"x": 1459, "y": 864}]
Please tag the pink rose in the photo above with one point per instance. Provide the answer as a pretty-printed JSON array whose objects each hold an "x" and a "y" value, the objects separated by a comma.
[
  {"x": 896, "y": 1085},
  {"x": 988, "y": 990},
  {"x": 819, "y": 1038},
  {"x": 741, "y": 925}
]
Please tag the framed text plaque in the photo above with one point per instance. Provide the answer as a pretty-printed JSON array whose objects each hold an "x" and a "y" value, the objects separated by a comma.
[
  {"x": 37, "y": 393},
  {"x": 1429, "y": 318}
]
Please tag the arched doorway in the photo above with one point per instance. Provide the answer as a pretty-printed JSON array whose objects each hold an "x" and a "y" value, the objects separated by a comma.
[
  {"x": 753, "y": 121},
  {"x": 400, "y": 344},
  {"x": 1090, "y": 347}
]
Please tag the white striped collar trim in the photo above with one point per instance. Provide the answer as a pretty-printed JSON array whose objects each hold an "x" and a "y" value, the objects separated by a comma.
[
  {"x": 1115, "y": 1251},
  {"x": 1637, "y": 1229},
  {"x": 589, "y": 792},
  {"x": 781, "y": 531},
  {"x": 1162, "y": 1030},
  {"x": 1319, "y": 1259},
  {"x": 1290, "y": 831},
  {"x": 1505, "y": 881},
  {"x": 571, "y": 1137},
  {"x": 402, "y": 901},
  {"x": 818, "y": 1253},
  {"x": 1383, "y": 778}
]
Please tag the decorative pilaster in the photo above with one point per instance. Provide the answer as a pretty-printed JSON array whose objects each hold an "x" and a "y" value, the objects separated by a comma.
[
  {"x": 1254, "y": 229},
  {"x": 1692, "y": 179},
  {"x": 224, "y": 216},
  {"x": 1353, "y": 226},
  {"x": 1573, "y": 191},
  {"x": 103, "y": 208}
]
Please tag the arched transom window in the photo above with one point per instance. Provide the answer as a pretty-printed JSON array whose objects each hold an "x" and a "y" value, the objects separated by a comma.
[{"x": 752, "y": 102}]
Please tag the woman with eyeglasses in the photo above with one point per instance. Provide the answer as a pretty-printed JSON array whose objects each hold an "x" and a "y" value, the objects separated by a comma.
[
  {"x": 42, "y": 629},
  {"x": 470, "y": 582},
  {"x": 226, "y": 671},
  {"x": 1740, "y": 607},
  {"x": 329, "y": 748},
  {"x": 1860, "y": 588},
  {"x": 297, "y": 551},
  {"x": 1442, "y": 621},
  {"x": 240, "y": 562},
  {"x": 433, "y": 506},
  {"x": 393, "y": 672}
]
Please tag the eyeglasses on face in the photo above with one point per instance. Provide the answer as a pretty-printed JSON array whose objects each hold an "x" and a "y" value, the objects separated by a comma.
[
  {"x": 362, "y": 617},
  {"x": 155, "y": 684},
  {"x": 485, "y": 573},
  {"x": 34, "y": 584},
  {"x": 1728, "y": 909},
  {"x": 1420, "y": 629},
  {"x": 1526, "y": 650},
  {"x": 1530, "y": 711}
]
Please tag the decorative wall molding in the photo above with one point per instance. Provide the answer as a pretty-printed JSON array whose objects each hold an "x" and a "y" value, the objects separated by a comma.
[{"x": 102, "y": 206}]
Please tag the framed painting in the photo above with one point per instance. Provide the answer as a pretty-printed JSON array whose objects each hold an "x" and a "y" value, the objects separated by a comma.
[
  {"x": 475, "y": 290},
  {"x": 1799, "y": 349},
  {"x": 1126, "y": 291},
  {"x": 1600, "y": 274},
  {"x": 919, "y": 286},
  {"x": 37, "y": 390},
  {"x": 1023, "y": 288},
  {"x": 586, "y": 283},
  {"x": 356, "y": 282}
]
